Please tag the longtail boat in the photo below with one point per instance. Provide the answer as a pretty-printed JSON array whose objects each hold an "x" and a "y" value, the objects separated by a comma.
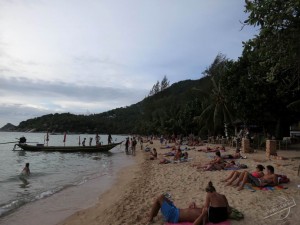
[{"x": 41, "y": 147}]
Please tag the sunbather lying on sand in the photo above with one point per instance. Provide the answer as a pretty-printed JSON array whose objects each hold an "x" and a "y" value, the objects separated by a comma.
[
  {"x": 172, "y": 152},
  {"x": 269, "y": 179},
  {"x": 167, "y": 146},
  {"x": 236, "y": 174},
  {"x": 216, "y": 209},
  {"x": 208, "y": 149},
  {"x": 236, "y": 155}
]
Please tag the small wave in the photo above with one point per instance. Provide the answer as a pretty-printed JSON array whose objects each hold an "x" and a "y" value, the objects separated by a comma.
[
  {"x": 46, "y": 194},
  {"x": 15, "y": 204},
  {"x": 5, "y": 209}
]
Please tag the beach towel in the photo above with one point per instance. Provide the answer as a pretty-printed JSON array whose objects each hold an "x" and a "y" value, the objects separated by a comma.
[
  {"x": 266, "y": 188},
  {"x": 182, "y": 160},
  {"x": 187, "y": 223}
]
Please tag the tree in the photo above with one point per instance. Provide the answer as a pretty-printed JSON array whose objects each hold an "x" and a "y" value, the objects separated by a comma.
[
  {"x": 275, "y": 53},
  {"x": 164, "y": 84},
  {"x": 156, "y": 87},
  {"x": 216, "y": 108},
  {"x": 217, "y": 67}
]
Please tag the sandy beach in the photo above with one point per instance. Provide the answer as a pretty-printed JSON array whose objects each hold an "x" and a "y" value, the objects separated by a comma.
[{"x": 129, "y": 200}]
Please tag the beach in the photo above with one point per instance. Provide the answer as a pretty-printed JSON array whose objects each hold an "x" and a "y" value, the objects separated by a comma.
[{"x": 130, "y": 199}]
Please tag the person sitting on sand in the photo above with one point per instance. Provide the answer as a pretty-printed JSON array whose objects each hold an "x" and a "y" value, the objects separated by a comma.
[
  {"x": 176, "y": 157},
  {"x": 269, "y": 179},
  {"x": 178, "y": 154},
  {"x": 26, "y": 170},
  {"x": 236, "y": 174},
  {"x": 153, "y": 154},
  {"x": 216, "y": 209},
  {"x": 216, "y": 164}
]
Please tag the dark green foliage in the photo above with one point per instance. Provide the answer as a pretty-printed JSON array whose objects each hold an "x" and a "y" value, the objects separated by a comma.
[{"x": 169, "y": 111}]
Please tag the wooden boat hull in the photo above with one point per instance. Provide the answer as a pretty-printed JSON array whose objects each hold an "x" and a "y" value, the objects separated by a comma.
[{"x": 100, "y": 148}]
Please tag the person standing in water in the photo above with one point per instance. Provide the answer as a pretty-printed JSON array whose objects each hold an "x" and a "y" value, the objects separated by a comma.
[
  {"x": 83, "y": 142},
  {"x": 134, "y": 142},
  {"x": 26, "y": 170},
  {"x": 127, "y": 146},
  {"x": 91, "y": 140},
  {"x": 97, "y": 139},
  {"x": 109, "y": 139}
]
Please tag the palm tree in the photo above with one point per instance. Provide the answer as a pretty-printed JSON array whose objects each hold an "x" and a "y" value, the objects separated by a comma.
[{"x": 215, "y": 109}]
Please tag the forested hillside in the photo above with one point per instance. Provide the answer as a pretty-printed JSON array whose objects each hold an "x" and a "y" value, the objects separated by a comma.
[{"x": 157, "y": 113}]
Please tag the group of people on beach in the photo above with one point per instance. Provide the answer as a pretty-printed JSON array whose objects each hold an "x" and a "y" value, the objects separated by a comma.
[
  {"x": 130, "y": 145},
  {"x": 256, "y": 178},
  {"x": 216, "y": 208}
]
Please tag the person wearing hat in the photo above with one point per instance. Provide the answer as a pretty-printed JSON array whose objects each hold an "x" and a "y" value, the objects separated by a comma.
[{"x": 236, "y": 174}]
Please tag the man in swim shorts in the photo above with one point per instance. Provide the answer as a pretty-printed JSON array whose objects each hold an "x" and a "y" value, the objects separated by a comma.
[
  {"x": 173, "y": 214},
  {"x": 269, "y": 179}
]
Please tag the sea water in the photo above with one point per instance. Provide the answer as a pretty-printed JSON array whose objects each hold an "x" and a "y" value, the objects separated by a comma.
[{"x": 51, "y": 172}]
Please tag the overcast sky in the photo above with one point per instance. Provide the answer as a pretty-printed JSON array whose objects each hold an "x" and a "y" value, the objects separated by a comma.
[{"x": 83, "y": 56}]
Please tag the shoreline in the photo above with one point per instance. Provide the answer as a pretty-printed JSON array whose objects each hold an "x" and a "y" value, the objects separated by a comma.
[
  {"x": 130, "y": 200},
  {"x": 110, "y": 199},
  {"x": 59, "y": 206}
]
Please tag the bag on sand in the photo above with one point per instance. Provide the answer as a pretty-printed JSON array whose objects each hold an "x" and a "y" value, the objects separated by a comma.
[{"x": 236, "y": 215}]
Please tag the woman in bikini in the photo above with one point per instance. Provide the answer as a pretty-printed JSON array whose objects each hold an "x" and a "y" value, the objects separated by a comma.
[
  {"x": 234, "y": 175},
  {"x": 216, "y": 208},
  {"x": 269, "y": 179}
]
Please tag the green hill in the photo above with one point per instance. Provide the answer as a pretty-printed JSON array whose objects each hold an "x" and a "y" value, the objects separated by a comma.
[{"x": 158, "y": 113}]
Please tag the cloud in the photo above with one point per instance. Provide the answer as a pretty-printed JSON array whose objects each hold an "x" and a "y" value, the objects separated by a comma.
[
  {"x": 97, "y": 55},
  {"x": 16, "y": 113},
  {"x": 36, "y": 97}
]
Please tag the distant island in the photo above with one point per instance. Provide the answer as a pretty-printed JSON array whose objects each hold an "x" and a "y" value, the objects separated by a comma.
[{"x": 8, "y": 127}]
